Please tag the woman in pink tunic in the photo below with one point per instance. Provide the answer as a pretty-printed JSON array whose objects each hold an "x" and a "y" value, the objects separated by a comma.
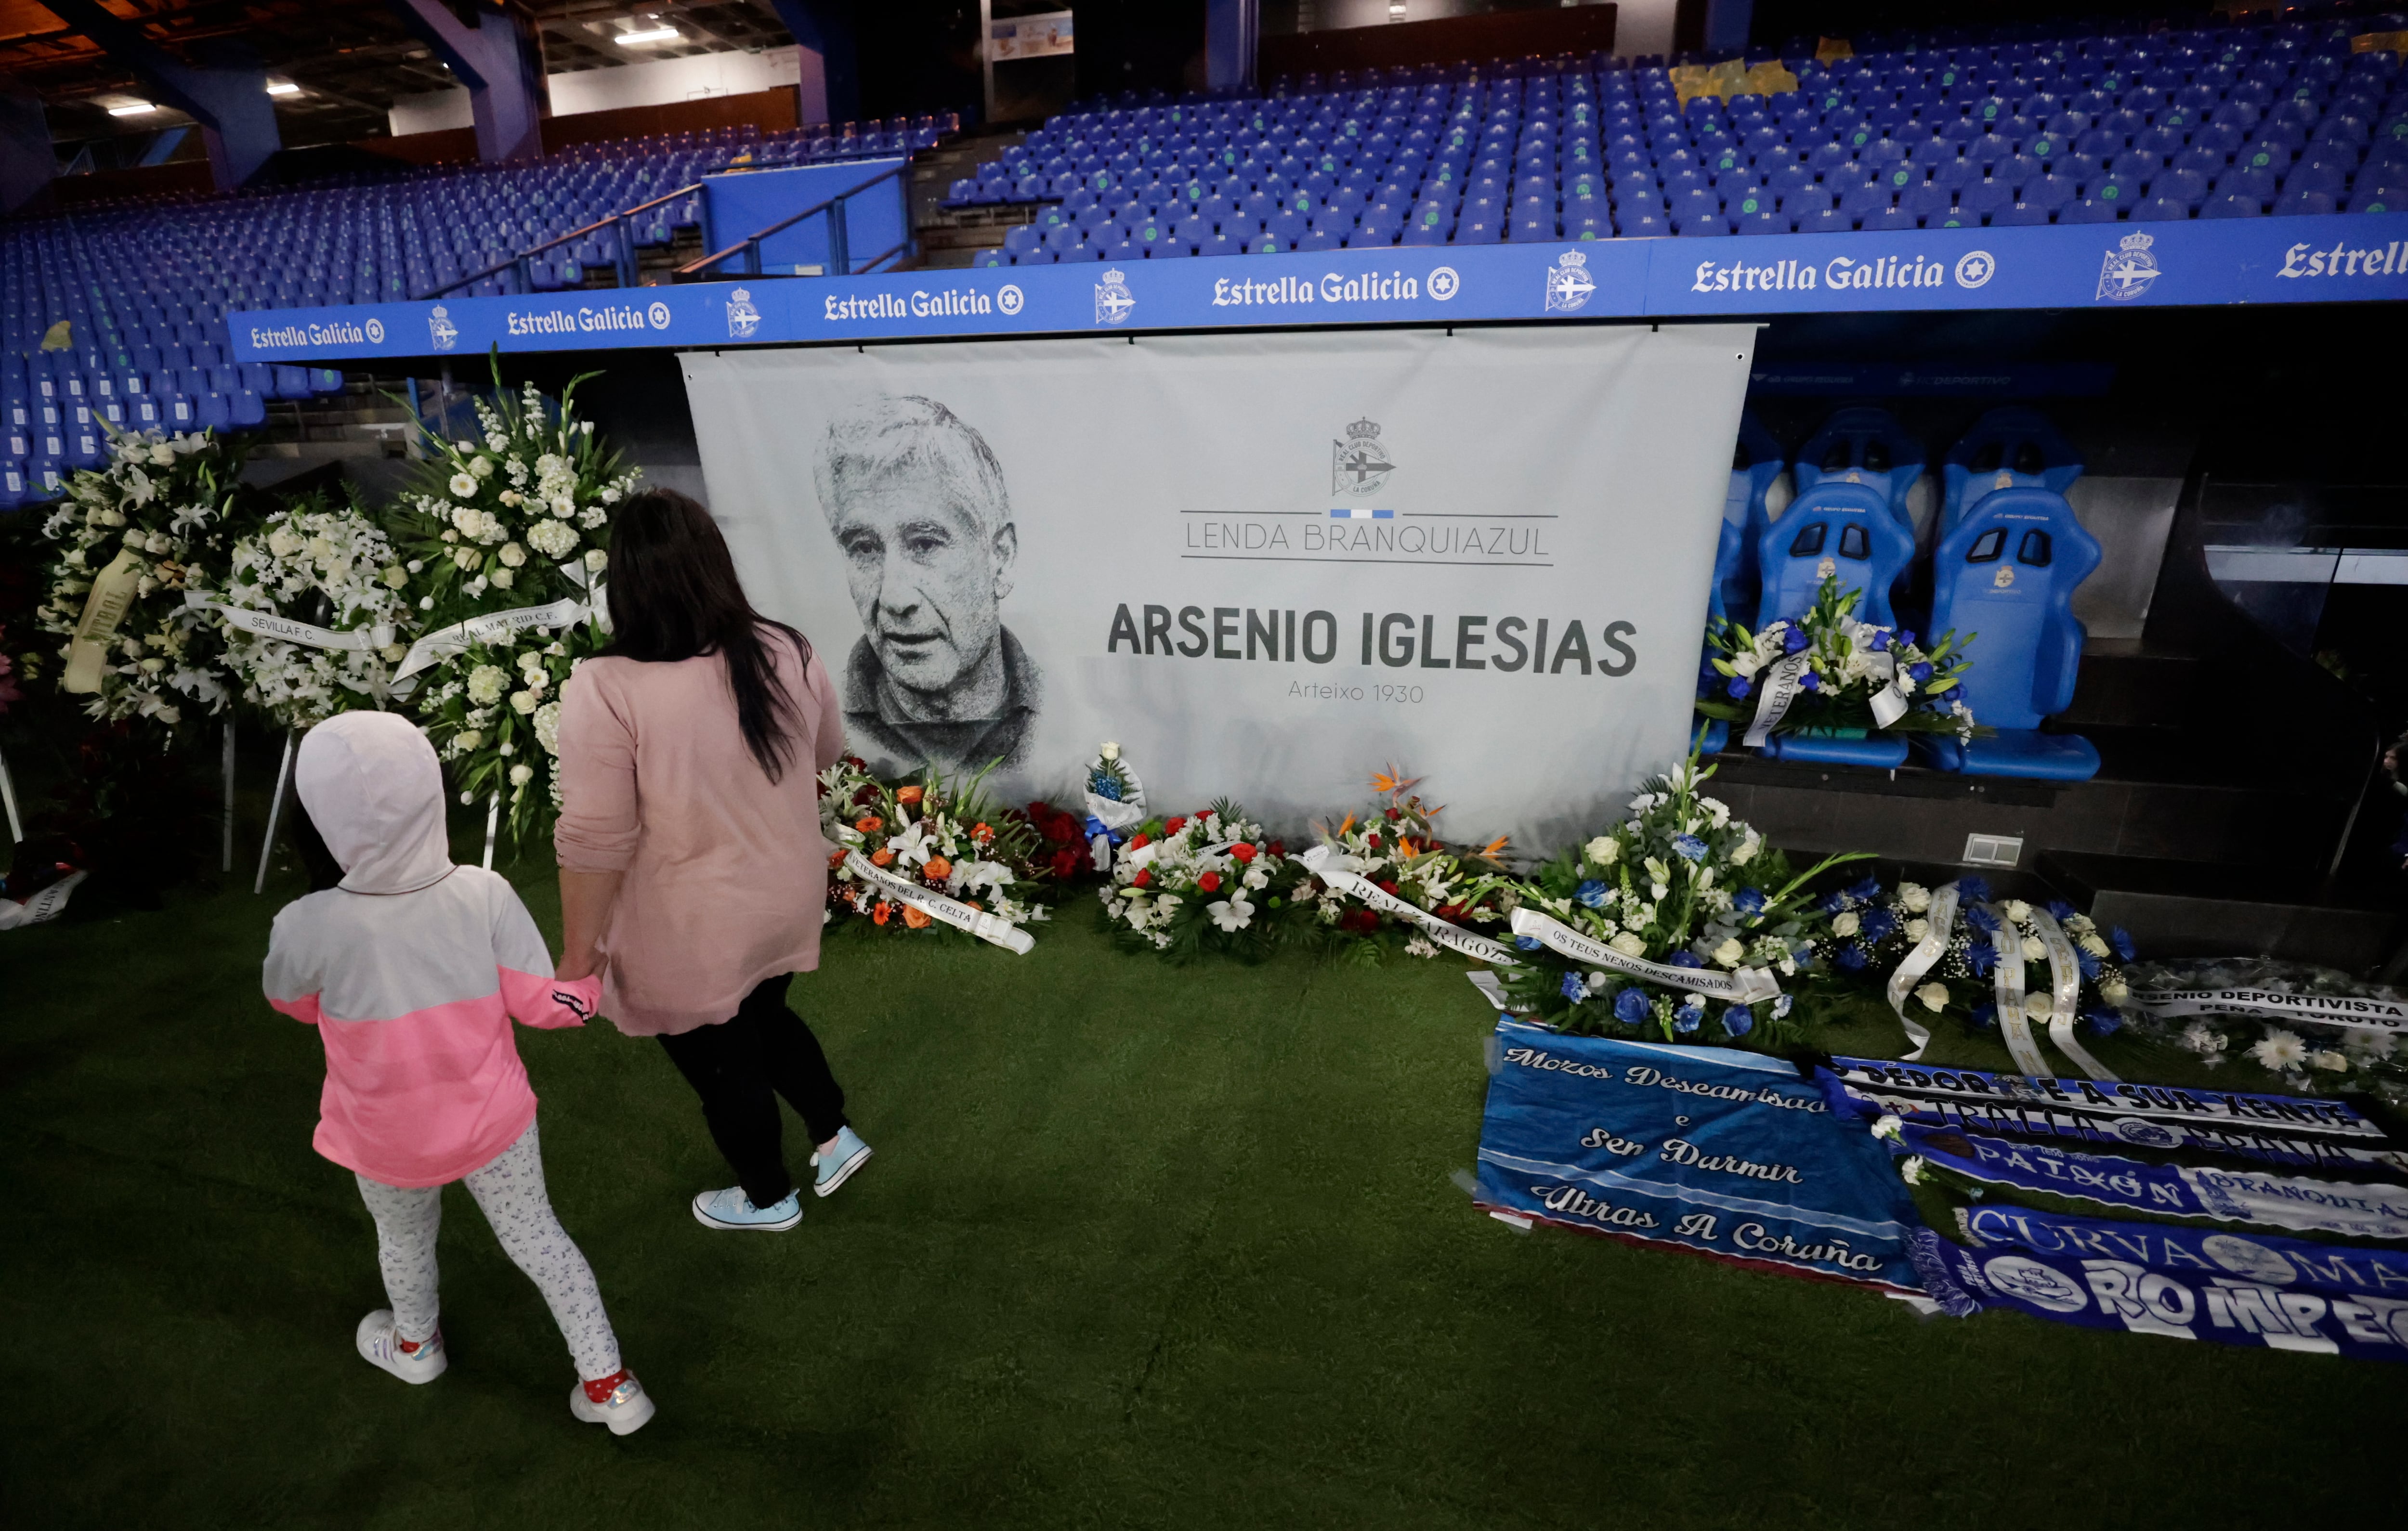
[{"x": 693, "y": 874}]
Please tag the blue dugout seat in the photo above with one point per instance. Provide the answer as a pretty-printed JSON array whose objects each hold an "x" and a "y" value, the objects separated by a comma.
[
  {"x": 2008, "y": 573},
  {"x": 1757, "y": 463},
  {"x": 1864, "y": 446},
  {"x": 1834, "y": 528},
  {"x": 2006, "y": 449}
]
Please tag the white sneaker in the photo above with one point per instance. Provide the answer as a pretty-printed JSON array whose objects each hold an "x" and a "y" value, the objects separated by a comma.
[
  {"x": 625, "y": 1410},
  {"x": 732, "y": 1210},
  {"x": 379, "y": 1344}
]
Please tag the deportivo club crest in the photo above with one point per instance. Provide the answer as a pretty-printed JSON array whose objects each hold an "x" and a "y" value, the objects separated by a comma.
[
  {"x": 1359, "y": 464},
  {"x": 2129, "y": 270},
  {"x": 440, "y": 329},
  {"x": 1568, "y": 282},
  {"x": 1114, "y": 300},
  {"x": 743, "y": 318}
]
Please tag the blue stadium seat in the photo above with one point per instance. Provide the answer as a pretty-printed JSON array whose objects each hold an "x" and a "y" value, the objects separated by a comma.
[
  {"x": 1864, "y": 446},
  {"x": 2008, "y": 448},
  {"x": 2008, "y": 572},
  {"x": 1757, "y": 464},
  {"x": 1834, "y": 528}
]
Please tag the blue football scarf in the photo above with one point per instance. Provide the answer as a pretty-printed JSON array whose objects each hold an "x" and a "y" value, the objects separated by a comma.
[
  {"x": 2183, "y": 1283},
  {"x": 1724, "y": 1152},
  {"x": 2231, "y": 1195},
  {"x": 2080, "y": 1114}
]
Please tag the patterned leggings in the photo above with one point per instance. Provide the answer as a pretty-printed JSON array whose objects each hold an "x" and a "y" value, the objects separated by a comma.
[{"x": 509, "y": 1192}]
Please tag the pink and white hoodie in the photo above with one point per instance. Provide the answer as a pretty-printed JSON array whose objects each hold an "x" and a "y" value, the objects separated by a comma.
[{"x": 411, "y": 968}]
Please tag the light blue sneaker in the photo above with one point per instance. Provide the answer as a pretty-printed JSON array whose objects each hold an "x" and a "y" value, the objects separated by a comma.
[
  {"x": 837, "y": 1164},
  {"x": 733, "y": 1210}
]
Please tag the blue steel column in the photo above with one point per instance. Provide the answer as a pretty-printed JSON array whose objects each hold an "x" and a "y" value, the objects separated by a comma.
[
  {"x": 830, "y": 90},
  {"x": 502, "y": 65},
  {"x": 27, "y": 162},
  {"x": 225, "y": 89},
  {"x": 1231, "y": 31}
]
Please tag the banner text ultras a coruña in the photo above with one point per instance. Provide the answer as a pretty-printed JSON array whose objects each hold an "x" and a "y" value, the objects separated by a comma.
[{"x": 1510, "y": 643}]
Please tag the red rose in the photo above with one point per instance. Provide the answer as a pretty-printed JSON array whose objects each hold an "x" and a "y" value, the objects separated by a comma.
[
  {"x": 1144, "y": 878},
  {"x": 865, "y": 796},
  {"x": 1242, "y": 852},
  {"x": 1139, "y": 842},
  {"x": 1361, "y": 922},
  {"x": 1067, "y": 862},
  {"x": 1392, "y": 815},
  {"x": 1388, "y": 887},
  {"x": 1175, "y": 825},
  {"x": 1278, "y": 848},
  {"x": 1372, "y": 842},
  {"x": 1061, "y": 829},
  {"x": 1449, "y": 911},
  {"x": 1210, "y": 882}
]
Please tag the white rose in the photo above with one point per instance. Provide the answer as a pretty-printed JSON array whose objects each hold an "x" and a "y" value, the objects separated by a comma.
[
  {"x": 467, "y": 558},
  {"x": 1604, "y": 851},
  {"x": 282, "y": 543},
  {"x": 1109, "y": 751},
  {"x": 2092, "y": 944},
  {"x": 162, "y": 456},
  {"x": 521, "y": 774},
  {"x": 482, "y": 468},
  {"x": 596, "y": 558},
  {"x": 2113, "y": 992},
  {"x": 463, "y": 485},
  {"x": 1934, "y": 996},
  {"x": 1746, "y": 849},
  {"x": 396, "y": 577},
  {"x": 394, "y": 653},
  {"x": 2018, "y": 910},
  {"x": 1915, "y": 896},
  {"x": 2033, "y": 950},
  {"x": 1917, "y": 929},
  {"x": 465, "y": 740},
  {"x": 1730, "y": 952},
  {"x": 1846, "y": 925},
  {"x": 1628, "y": 945},
  {"x": 514, "y": 555},
  {"x": 524, "y": 702},
  {"x": 503, "y": 579}
]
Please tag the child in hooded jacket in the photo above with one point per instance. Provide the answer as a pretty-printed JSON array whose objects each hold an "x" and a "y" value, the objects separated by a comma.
[{"x": 412, "y": 969}]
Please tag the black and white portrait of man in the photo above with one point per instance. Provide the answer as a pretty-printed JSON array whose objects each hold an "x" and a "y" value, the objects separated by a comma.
[{"x": 917, "y": 504}]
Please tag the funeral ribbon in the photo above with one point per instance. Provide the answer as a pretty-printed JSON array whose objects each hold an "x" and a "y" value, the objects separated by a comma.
[
  {"x": 1745, "y": 986},
  {"x": 1453, "y": 936},
  {"x": 444, "y": 642},
  {"x": 1889, "y": 704},
  {"x": 2065, "y": 994},
  {"x": 271, "y": 625},
  {"x": 45, "y": 905},
  {"x": 2364, "y": 1013},
  {"x": 978, "y": 923},
  {"x": 2007, "y": 983},
  {"x": 1773, "y": 696},
  {"x": 113, "y": 590},
  {"x": 1939, "y": 921}
]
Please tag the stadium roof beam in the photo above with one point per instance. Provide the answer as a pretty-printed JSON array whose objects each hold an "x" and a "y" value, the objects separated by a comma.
[
  {"x": 830, "y": 87},
  {"x": 225, "y": 89},
  {"x": 501, "y": 63}
]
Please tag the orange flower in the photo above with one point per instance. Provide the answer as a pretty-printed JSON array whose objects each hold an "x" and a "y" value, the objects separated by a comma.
[
  {"x": 1392, "y": 780},
  {"x": 883, "y": 912},
  {"x": 1490, "y": 849},
  {"x": 906, "y": 796},
  {"x": 983, "y": 834},
  {"x": 1346, "y": 829},
  {"x": 869, "y": 823},
  {"x": 881, "y": 857},
  {"x": 937, "y": 869},
  {"x": 836, "y": 859},
  {"x": 914, "y": 917},
  {"x": 1405, "y": 845},
  {"x": 973, "y": 903}
]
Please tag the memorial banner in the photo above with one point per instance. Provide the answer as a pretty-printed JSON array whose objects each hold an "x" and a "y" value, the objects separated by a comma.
[
  {"x": 2028, "y": 1113},
  {"x": 2232, "y": 1196},
  {"x": 1260, "y": 563},
  {"x": 1706, "y": 1148},
  {"x": 2182, "y": 1283}
]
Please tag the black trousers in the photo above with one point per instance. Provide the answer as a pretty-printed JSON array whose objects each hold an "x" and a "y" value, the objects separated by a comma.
[{"x": 741, "y": 1067}]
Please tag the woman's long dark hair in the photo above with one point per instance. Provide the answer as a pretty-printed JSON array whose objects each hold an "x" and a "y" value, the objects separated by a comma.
[{"x": 673, "y": 594}]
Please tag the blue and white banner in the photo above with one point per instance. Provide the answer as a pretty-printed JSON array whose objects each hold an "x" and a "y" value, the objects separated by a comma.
[
  {"x": 2007, "y": 1106},
  {"x": 2360, "y": 258},
  {"x": 1723, "y": 1153},
  {"x": 2182, "y": 1283},
  {"x": 1972, "y": 1090},
  {"x": 2231, "y": 1196}
]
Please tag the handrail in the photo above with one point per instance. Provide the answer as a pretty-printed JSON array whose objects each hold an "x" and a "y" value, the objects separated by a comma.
[
  {"x": 515, "y": 262},
  {"x": 839, "y": 257}
]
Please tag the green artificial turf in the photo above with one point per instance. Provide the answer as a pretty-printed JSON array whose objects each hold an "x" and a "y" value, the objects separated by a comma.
[{"x": 1142, "y": 1246}]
